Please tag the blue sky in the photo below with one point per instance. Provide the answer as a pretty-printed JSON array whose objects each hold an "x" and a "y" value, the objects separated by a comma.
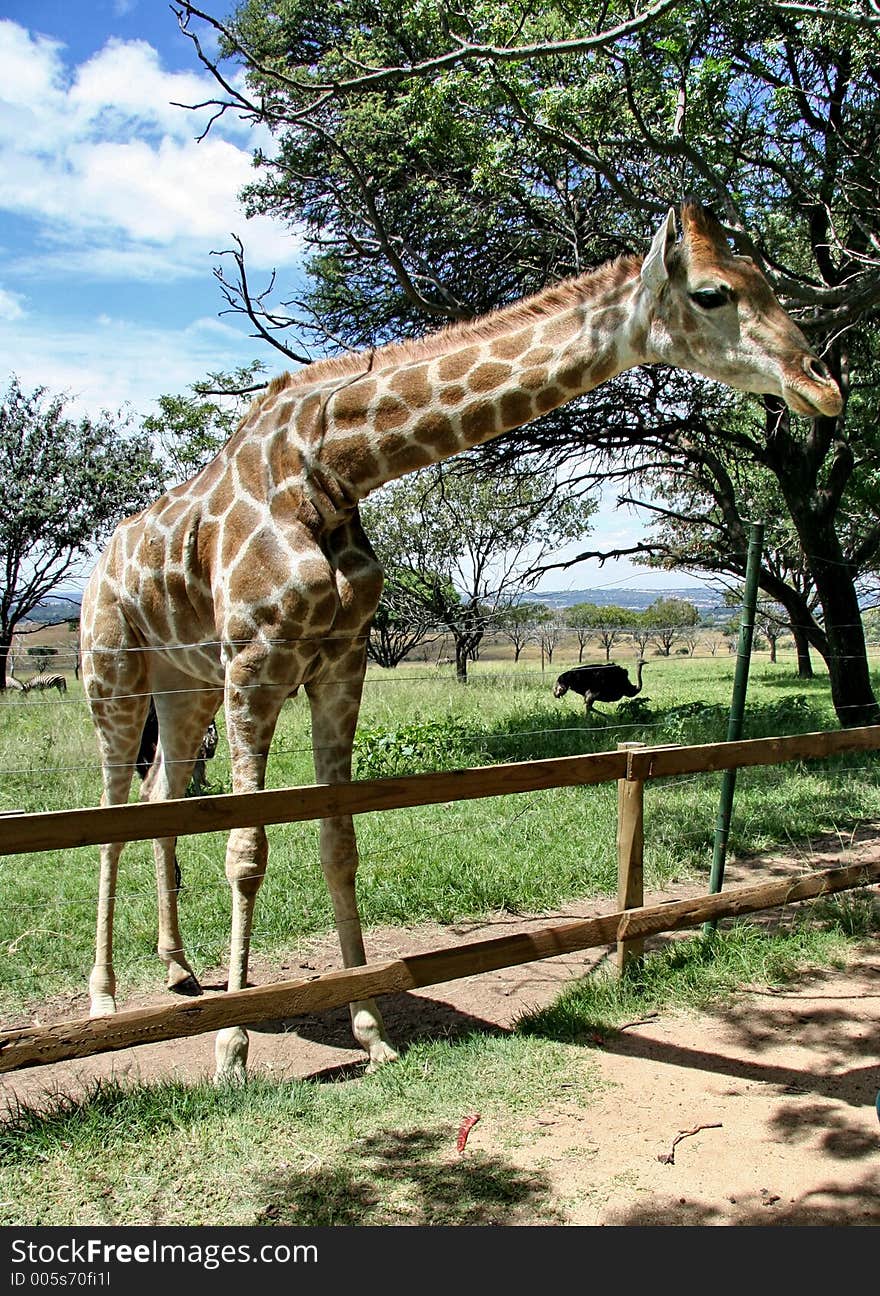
[{"x": 110, "y": 209}]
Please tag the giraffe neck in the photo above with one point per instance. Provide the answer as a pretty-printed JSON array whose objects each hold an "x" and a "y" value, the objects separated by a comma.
[{"x": 387, "y": 413}]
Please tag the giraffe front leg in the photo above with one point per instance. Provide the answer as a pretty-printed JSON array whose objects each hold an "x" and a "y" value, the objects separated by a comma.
[
  {"x": 246, "y": 857},
  {"x": 118, "y": 724},
  {"x": 251, "y": 715}
]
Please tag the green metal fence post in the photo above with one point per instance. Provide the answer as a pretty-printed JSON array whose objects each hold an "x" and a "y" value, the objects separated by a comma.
[{"x": 737, "y": 707}]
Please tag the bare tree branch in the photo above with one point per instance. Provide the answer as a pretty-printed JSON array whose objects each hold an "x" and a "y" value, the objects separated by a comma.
[{"x": 837, "y": 15}]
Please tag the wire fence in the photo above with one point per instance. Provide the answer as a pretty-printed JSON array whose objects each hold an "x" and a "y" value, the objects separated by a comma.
[
  {"x": 49, "y": 915},
  {"x": 513, "y": 676},
  {"x": 523, "y": 741},
  {"x": 635, "y": 767}
]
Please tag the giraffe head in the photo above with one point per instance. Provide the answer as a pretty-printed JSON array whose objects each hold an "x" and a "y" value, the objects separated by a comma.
[{"x": 713, "y": 312}]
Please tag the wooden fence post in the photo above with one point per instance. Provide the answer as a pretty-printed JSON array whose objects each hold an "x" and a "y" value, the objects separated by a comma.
[{"x": 630, "y": 854}]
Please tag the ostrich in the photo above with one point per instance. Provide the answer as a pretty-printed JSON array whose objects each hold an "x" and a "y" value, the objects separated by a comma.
[{"x": 604, "y": 682}]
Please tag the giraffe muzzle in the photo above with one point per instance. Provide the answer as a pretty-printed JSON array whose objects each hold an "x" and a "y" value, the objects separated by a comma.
[{"x": 815, "y": 394}]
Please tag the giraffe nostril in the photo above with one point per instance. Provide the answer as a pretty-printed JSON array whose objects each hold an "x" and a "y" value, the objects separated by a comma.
[{"x": 815, "y": 368}]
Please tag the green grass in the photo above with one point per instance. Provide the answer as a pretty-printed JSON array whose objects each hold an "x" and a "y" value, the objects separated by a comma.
[
  {"x": 381, "y": 1149},
  {"x": 377, "y": 1150},
  {"x": 443, "y": 863}
]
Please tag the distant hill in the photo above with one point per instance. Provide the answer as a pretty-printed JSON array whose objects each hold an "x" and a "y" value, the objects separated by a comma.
[
  {"x": 707, "y": 600},
  {"x": 65, "y": 605},
  {"x": 60, "y": 607}
]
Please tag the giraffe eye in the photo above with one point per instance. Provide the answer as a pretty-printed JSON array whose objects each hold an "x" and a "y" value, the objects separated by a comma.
[{"x": 710, "y": 298}]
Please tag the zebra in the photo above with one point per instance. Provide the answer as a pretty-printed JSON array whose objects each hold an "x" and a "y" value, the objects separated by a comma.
[{"x": 43, "y": 682}]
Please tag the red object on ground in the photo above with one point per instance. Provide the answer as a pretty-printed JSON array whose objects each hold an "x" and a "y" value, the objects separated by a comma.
[{"x": 466, "y": 1126}]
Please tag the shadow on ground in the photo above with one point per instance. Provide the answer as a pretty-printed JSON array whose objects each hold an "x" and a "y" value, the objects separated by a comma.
[
  {"x": 823, "y": 1206},
  {"x": 406, "y": 1177},
  {"x": 408, "y": 1018}
]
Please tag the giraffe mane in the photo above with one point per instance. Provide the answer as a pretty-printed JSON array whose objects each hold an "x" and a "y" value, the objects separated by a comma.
[{"x": 569, "y": 292}]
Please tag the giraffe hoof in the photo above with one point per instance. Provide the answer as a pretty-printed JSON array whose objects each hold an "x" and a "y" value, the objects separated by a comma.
[
  {"x": 102, "y": 1005},
  {"x": 189, "y": 986},
  {"x": 380, "y": 1055},
  {"x": 235, "y": 1075},
  {"x": 230, "y": 1056}
]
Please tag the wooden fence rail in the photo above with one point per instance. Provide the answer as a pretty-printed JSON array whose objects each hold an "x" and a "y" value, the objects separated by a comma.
[
  {"x": 62, "y": 829},
  {"x": 36, "y": 1045},
  {"x": 632, "y": 767}
]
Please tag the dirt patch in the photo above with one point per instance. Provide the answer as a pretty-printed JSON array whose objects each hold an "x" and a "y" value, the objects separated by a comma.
[{"x": 760, "y": 1113}]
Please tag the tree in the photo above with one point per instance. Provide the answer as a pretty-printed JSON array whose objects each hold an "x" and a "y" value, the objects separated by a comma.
[
  {"x": 402, "y": 620},
  {"x": 606, "y": 621},
  {"x": 521, "y": 624},
  {"x": 64, "y": 485},
  {"x": 641, "y": 631},
  {"x": 448, "y": 161},
  {"x": 731, "y": 629},
  {"x": 580, "y": 621},
  {"x": 669, "y": 618},
  {"x": 700, "y": 511},
  {"x": 771, "y": 621},
  {"x": 690, "y": 637},
  {"x": 550, "y": 632},
  {"x": 190, "y": 428},
  {"x": 40, "y": 656},
  {"x": 463, "y": 548},
  {"x": 714, "y": 638}
]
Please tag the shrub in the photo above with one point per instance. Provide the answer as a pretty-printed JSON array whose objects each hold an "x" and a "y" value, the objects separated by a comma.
[{"x": 414, "y": 748}]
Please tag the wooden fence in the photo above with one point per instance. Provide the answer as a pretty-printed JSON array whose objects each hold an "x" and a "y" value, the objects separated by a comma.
[{"x": 632, "y": 766}]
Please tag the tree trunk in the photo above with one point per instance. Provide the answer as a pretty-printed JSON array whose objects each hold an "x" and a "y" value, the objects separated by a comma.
[
  {"x": 851, "y": 690},
  {"x": 800, "y": 465},
  {"x": 834, "y": 578},
  {"x": 461, "y": 660},
  {"x": 805, "y": 631},
  {"x": 5, "y": 649},
  {"x": 802, "y": 648}
]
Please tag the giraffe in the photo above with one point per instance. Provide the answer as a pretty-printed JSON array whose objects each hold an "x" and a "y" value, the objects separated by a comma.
[{"x": 255, "y": 578}]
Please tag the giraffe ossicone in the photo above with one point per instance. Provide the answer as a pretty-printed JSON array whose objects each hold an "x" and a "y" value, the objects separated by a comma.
[{"x": 255, "y": 579}]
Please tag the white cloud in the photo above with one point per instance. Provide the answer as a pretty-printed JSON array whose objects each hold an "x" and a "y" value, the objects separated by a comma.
[
  {"x": 110, "y": 170},
  {"x": 11, "y": 305},
  {"x": 32, "y": 71},
  {"x": 108, "y": 362},
  {"x": 125, "y": 82}
]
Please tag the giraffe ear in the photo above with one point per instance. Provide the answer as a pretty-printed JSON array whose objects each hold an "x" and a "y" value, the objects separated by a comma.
[{"x": 655, "y": 271}]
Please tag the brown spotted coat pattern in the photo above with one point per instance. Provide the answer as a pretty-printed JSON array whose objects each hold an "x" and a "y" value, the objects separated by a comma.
[{"x": 255, "y": 579}]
